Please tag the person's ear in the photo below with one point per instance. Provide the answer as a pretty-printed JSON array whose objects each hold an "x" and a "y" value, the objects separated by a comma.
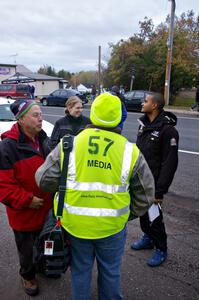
[
  {"x": 154, "y": 105},
  {"x": 21, "y": 121}
]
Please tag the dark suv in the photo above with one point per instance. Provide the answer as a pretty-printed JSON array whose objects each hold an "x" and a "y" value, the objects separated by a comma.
[
  {"x": 134, "y": 99},
  {"x": 14, "y": 91},
  {"x": 59, "y": 97}
]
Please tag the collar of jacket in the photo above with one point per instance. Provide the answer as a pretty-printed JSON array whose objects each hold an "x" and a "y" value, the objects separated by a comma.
[
  {"x": 163, "y": 118},
  {"x": 115, "y": 129},
  {"x": 73, "y": 119}
]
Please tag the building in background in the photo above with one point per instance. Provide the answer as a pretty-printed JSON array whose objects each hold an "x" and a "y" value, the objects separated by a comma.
[
  {"x": 43, "y": 84},
  {"x": 7, "y": 70}
]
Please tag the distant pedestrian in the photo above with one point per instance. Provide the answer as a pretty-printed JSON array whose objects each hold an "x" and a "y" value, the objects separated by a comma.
[
  {"x": 29, "y": 90},
  {"x": 196, "y": 105},
  {"x": 158, "y": 141},
  {"x": 116, "y": 91},
  {"x": 122, "y": 90},
  {"x": 32, "y": 91},
  {"x": 93, "y": 92}
]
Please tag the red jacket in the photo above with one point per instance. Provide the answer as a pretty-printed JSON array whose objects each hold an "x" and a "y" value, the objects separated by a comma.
[{"x": 18, "y": 164}]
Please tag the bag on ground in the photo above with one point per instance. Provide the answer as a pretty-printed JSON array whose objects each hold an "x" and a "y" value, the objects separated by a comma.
[{"x": 57, "y": 262}]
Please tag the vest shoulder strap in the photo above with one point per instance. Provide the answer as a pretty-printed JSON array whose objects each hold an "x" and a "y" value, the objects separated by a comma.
[{"x": 67, "y": 145}]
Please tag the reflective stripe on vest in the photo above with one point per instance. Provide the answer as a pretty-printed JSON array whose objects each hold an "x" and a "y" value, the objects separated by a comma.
[
  {"x": 93, "y": 186},
  {"x": 95, "y": 212}
]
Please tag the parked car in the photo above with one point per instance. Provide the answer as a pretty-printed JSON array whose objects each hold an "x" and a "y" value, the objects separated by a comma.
[
  {"x": 134, "y": 99},
  {"x": 7, "y": 119},
  {"x": 59, "y": 97},
  {"x": 14, "y": 91}
]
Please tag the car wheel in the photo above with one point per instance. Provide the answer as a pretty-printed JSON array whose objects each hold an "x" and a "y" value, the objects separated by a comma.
[
  {"x": 45, "y": 102},
  {"x": 9, "y": 97}
]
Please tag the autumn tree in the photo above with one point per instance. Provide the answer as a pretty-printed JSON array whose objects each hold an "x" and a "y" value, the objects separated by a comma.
[
  {"x": 64, "y": 74},
  {"x": 50, "y": 71},
  {"x": 144, "y": 56},
  {"x": 84, "y": 77},
  {"x": 47, "y": 70}
]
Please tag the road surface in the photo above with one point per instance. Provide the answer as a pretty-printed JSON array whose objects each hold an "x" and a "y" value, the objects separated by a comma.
[{"x": 177, "y": 278}]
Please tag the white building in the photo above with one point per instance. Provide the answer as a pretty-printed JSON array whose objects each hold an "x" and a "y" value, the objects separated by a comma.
[{"x": 43, "y": 84}]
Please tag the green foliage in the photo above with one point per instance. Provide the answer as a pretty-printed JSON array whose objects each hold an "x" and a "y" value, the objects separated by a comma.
[
  {"x": 87, "y": 78},
  {"x": 84, "y": 77},
  {"x": 144, "y": 56},
  {"x": 64, "y": 74},
  {"x": 50, "y": 71}
]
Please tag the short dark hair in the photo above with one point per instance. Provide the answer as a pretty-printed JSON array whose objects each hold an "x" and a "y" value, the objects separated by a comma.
[
  {"x": 158, "y": 99},
  {"x": 115, "y": 89}
]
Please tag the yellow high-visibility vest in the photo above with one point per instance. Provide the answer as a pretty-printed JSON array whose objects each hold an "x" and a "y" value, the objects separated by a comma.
[{"x": 97, "y": 200}]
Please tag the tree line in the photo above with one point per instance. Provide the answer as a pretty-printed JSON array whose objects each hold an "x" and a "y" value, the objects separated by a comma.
[{"x": 143, "y": 56}]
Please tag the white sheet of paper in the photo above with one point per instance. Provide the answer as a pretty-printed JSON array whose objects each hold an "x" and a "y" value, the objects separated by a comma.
[{"x": 153, "y": 212}]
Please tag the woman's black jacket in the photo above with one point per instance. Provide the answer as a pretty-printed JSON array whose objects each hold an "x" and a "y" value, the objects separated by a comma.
[{"x": 67, "y": 125}]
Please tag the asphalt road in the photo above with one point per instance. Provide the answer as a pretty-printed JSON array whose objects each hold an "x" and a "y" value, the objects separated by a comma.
[{"x": 177, "y": 278}]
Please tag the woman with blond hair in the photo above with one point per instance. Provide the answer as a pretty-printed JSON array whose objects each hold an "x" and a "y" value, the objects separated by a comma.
[{"x": 73, "y": 122}]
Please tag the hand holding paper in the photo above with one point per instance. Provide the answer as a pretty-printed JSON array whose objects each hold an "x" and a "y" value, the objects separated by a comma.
[{"x": 153, "y": 212}]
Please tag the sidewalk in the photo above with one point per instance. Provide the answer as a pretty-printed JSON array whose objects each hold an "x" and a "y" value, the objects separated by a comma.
[{"x": 182, "y": 110}]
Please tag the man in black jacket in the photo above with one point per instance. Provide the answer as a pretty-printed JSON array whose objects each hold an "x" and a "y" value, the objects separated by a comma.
[{"x": 158, "y": 140}]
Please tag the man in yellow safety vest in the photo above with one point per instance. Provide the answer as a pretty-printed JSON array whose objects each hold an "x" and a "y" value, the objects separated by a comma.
[{"x": 108, "y": 179}]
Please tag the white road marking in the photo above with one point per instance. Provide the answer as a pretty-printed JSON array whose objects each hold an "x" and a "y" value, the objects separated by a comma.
[
  {"x": 182, "y": 151},
  {"x": 189, "y": 152}
]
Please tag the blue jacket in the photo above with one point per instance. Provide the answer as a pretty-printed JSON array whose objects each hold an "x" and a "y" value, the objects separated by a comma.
[
  {"x": 124, "y": 116},
  {"x": 124, "y": 111}
]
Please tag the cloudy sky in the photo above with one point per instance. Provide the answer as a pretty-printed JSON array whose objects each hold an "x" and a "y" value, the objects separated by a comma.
[{"x": 66, "y": 34}]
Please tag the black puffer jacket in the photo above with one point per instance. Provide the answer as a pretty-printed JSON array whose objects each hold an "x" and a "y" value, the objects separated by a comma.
[
  {"x": 158, "y": 141},
  {"x": 67, "y": 124}
]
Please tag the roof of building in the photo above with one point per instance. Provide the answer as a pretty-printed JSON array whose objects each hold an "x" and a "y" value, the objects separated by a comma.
[
  {"x": 24, "y": 74},
  {"x": 30, "y": 77},
  {"x": 22, "y": 68},
  {"x": 38, "y": 76},
  {"x": 8, "y": 65}
]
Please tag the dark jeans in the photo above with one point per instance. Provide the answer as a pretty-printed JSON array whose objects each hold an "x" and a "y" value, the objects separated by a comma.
[
  {"x": 155, "y": 230},
  {"x": 108, "y": 253},
  {"x": 25, "y": 242}
]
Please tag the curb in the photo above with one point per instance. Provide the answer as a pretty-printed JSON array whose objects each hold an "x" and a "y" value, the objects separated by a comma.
[{"x": 174, "y": 110}]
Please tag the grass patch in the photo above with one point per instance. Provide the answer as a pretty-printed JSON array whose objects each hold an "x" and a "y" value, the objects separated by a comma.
[{"x": 185, "y": 102}]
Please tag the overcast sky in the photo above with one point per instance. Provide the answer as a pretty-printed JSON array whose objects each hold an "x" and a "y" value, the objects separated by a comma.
[{"x": 66, "y": 34}]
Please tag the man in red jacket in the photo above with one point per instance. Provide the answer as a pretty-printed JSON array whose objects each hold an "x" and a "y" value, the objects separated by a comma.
[{"x": 22, "y": 150}]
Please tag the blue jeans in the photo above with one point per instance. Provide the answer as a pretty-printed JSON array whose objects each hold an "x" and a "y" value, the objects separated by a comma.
[{"x": 108, "y": 253}]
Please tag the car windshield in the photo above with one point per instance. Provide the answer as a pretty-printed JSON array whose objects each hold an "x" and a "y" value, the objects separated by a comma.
[
  {"x": 139, "y": 94},
  {"x": 5, "y": 113},
  {"x": 129, "y": 95},
  {"x": 72, "y": 93}
]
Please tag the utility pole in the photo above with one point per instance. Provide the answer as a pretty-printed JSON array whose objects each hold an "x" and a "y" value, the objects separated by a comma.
[
  {"x": 99, "y": 70},
  {"x": 169, "y": 54},
  {"x": 14, "y": 56},
  {"x": 132, "y": 78}
]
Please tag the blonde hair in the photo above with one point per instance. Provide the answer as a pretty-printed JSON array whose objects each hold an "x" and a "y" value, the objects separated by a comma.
[{"x": 71, "y": 102}]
